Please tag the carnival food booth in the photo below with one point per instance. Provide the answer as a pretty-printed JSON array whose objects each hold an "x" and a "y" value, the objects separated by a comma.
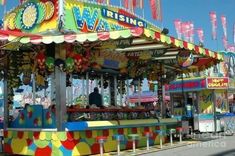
[
  {"x": 207, "y": 95},
  {"x": 54, "y": 53}
]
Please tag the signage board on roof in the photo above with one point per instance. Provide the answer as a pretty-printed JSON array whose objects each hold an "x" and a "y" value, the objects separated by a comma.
[
  {"x": 90, "y": 17},
  {"x": 217, "y": 83},
  {"x": 33, "y": 16}
]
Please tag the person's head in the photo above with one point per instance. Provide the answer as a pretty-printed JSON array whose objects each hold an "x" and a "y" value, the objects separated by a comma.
[{"x": 96, "y": 89}]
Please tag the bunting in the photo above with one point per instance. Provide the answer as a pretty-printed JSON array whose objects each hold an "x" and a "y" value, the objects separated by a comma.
[
  {"x": 214, "y": 24},
  {"x": 153, "y": 5},
  {"x": 140, "y": 4},
  {"x": 2, "y": 2},
  {"x": 224, "y": 25},
  {"x": 126, "y": 4},
  {"x": 178, "y": 29},
  {"x": 200, "y": 34}
]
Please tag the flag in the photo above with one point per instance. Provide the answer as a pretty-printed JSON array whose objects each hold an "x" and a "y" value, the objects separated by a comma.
[
  {"x": 126, "y": 4},
  {"x": 140, "y": 4},
  {"x": 100, "y": 1},
  {"x": 2, "y": 2},
  {"x": 191, "y": 32},
  {"x": 177, "y": 24},
  {"x": 214, "y": 24},
  {"x": 234, "y": 34},
  {"x": 200, "y": 34},
  {"x": 225, "y": 43},
  {"x": 224, "y": 25},
  {"x": 153, "y": 8},
  {"x": 159, "y": 10}
]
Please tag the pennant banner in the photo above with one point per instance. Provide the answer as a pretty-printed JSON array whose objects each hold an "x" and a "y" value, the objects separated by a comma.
[
  {"x": 177, "y": 24},
  {"x": 2, "y": 2},
  {"x": 214, "y": 24},
  {"x": 156, "y": 9},
  {"x": 200, "y": 34},
  {"x": 224, "y": 25},
  {"x": 234, "y": 34},
  {"x": 225, "y": 43},
  {"x": 126, "y": 4}
]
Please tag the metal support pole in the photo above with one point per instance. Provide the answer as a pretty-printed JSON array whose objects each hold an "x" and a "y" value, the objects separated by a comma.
[
  {"x": 83, "y": 90},
  {"x": 214, "y": 110},
  {"x": 34, "y": 88},
  {"x": 120, "y": 93},
  {"x": 127, "y": 91},
  {"x": 139, "y": 99},
  {"x": 71, "y": 89},
  {"x": 102, "y": 87},
  {"x": 115, "y": 90},
  {"x": 87, "y": 87},
  {"x": 6, "y": 105},
  {"x": 60, "y": 85}
]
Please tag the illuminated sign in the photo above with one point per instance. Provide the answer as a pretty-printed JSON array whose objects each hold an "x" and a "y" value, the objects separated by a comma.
[
  {"x": 122, "y": 18},
  {"x": 217, "y": 83}
]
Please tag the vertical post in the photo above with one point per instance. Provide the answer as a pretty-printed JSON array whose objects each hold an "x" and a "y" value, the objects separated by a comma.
[
  {"x": 172, "y": 103},
  {"x": 214, "y": 110},
  {"x": 71, "y": 89},
  {"x": 34, "y": 88},
  {"x": 6, "y": 105},
  {"x": 147, "y": 142},
  {"x": 161, "y": 141},
  {"x": 139, "y": 99},
  {"x": 120, "y": 93},
  {"x": 127, "y": 91},
  {"x": 87, "y": 87},
  {"x": 118, "y": 147},
  {"x": 60, "y": 85},
  {"x": 102, "y": 87},
  {"x": 115, "y": 90},
  {"x": 83, "y": 90}
]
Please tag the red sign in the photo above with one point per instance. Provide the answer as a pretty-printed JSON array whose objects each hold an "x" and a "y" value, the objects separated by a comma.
[{"x": 217, "y": 83}]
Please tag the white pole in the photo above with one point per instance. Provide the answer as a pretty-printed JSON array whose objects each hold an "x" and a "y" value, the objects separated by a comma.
[
  {"x": 127, "y": 91},
  {"x": 102, "y": 87},
  {"x": 34, "y": 89},
  {"x": 147, "y": 142},
  {"x": 160, "y": 141},
  {"x": 71, "y": 89},
  {"x": 115, "y": 90},
  {"x": 83, "y": 90},
  {"x": 87, "y": 87},
  {"x": 120, "y": 93},
  {"x": 139, "y": 100},
  {"x": 118, "y": 147},
  {"x": 133, "y": 143}
]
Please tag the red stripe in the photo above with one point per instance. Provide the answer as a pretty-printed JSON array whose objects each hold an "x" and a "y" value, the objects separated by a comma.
[
  {"x": 157, "y": 35},
  {"x": 172, "y": 40},
  {"x": 137, "y": 31},
  {"x": 197, "y": 48},
  {"x": 185, "y": 44},
  {"x": 207, "y": 52}
]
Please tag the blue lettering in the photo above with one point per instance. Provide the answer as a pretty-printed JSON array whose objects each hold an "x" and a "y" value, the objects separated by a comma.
[
  {"x": 85, "y": 16},
  {"x": 103, "y": 26}
]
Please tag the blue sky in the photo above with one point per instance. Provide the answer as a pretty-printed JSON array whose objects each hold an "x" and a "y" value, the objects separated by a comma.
[{"x": 196, "y": 11}]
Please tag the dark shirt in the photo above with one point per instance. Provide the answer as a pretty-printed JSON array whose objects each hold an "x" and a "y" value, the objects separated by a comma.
[{"x": 95, "y": 98}]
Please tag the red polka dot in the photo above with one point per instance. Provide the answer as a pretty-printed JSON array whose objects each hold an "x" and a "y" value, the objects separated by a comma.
[
  {"x": 69, "y": 144},
  {"x": 20, "y": 134},
  {"x": 120, "y": 131},
  {"x": 29, "y": 142},
  {"x": 7, "y": 148},
  {"x": 146, "y": 129},
  {"x": 70, "y": 135},
  {"x": 43, "y": 151},
  {"x": 134, "y": 130},
  {"x": 105, "y": 132},
  {"x": 5, "y": 134},
  {"x": 88, "y": 133},
  {"x": 95, "y": 148},
  {"x": 36, "y": 135}
]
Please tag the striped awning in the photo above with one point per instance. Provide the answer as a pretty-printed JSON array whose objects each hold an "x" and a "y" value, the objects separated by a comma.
[{"x": 25, "y": 38}]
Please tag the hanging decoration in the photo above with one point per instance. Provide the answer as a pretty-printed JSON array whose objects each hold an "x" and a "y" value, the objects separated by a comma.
[
  {"x": 185, "y": 59},
  {"x": 225, "y": 43},
  {"x": 126, "y": 4},
  {"x": 214, "y": 24},
  {"x": 200, "y": 34},
  {"x": 234, "y": 34},
  {"x": 69, "y": 65},
  {"x": 50, "y": 64},
  {"x": 224, "y": 25},
  {"x": 178, "y": 28}
]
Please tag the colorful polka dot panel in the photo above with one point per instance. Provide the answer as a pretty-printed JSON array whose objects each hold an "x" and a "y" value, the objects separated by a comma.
[{"x": 72, "y": 143}]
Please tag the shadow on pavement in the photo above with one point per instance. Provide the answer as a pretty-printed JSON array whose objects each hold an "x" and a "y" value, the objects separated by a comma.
[{"x": 225, "y": 153}]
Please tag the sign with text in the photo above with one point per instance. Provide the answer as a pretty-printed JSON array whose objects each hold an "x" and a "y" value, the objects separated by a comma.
[{"x": 217, "y": 83}]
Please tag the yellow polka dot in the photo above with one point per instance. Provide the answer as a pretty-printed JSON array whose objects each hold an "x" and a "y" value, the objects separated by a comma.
[
  {"x": 26, "y": 135},
  {"x": 110, "y": 145},
  {"x": 81, "y": 149},
  {"x": 19, "y": 146},
  {"x": 42, "y": 136},
  {"x": 76, "y": 135},
  {"x": 56, "y": 143},
  {"x": 54, "y": 136}
]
